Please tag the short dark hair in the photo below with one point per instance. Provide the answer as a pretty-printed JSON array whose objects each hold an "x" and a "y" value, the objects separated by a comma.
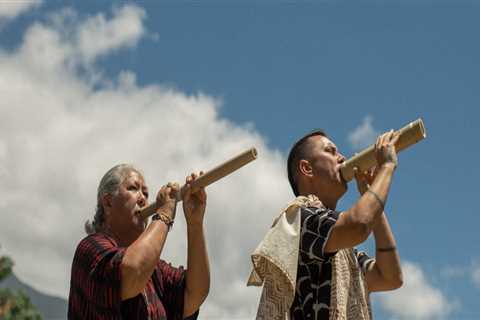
[{"x": 297, "y": 153}]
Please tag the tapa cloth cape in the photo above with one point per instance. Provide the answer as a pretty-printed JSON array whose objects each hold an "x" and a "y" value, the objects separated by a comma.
[{"x": 275, "y": 263}]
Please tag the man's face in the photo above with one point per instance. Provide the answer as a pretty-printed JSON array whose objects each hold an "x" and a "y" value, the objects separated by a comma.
[
  {"x": 325, "y": 161},
  {"x": 132, "y": 195}
]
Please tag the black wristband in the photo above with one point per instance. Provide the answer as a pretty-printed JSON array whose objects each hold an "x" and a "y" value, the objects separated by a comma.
[
  {"x": 387, "y": 249},
  {"x": 382, "y": 204}
]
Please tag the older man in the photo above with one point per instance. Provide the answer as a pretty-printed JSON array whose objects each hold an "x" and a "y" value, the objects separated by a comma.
[
  {"x": 313, "y": 169},
  {"x": 117, "y": 272}
]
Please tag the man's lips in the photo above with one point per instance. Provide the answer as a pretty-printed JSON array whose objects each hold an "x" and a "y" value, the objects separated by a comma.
[{"x": 137, "y": 210}]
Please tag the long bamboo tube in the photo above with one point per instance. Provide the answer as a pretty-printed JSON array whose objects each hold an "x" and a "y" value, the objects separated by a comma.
[
  {"x": 409, "y": 135},
  {"x": 210, "y": 177}
]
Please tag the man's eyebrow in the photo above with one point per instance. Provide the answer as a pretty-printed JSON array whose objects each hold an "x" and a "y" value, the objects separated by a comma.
[{"x": 330, "y": 144}]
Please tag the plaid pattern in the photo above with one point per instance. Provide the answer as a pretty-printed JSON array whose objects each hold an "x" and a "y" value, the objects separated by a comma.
[
  {"x": 314, "y": 275},
  {"x": 95, "y": 291}
]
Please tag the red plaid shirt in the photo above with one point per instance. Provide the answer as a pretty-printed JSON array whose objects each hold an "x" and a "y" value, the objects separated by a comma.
[{"x": 95, "y": 286}]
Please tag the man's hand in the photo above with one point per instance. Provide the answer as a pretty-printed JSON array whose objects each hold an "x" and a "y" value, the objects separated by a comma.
[
  {"x": 385, "y": 154},
  {"x": 385, "y": 151},
  {"x": 167, "y": 199},
  {"x": 364, "y": 179},
  {"x": 194, "y": 203}
]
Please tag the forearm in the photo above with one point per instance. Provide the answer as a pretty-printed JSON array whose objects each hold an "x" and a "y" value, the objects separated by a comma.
[
  {"x": 198, "y": 270},
  {"x": 147, "y": 248},
  {"x": 141, "y": 258},
  {"x": 387, "y": 257},
  {"x": 369, "y": 207}
]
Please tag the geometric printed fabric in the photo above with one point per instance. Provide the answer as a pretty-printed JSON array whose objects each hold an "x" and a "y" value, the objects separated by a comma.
[{"x": 313, "y": 297}]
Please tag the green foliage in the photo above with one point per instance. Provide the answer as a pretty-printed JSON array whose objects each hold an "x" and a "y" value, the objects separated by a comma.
[
  {"x": 6, "y": 265},
  {"x": 14, "y": 305}
]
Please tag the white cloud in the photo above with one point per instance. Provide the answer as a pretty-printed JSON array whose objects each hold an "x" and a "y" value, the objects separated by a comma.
[
  {"x": 363, "y": 135},
  {"x": 470, "y": 273},
  {"x": 476, "y": 274},
  {"x": 98, "y": 36},
  {"x": 417, "y": 299},
  {"x": 59, "y": 134},
  {"x": 66, "y": 42},
  {"x": 454, "y": 272},
  {"x": 10, "y": 9}
]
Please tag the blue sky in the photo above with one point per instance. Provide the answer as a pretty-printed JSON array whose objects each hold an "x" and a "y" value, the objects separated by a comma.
[{"x": 279, "y": 69}]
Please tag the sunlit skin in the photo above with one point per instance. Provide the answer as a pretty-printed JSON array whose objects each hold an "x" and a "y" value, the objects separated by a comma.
[
  {"x": 121, "y": 218},
  {"x": 145, "y": 244},
  {"x": 319, "y": 174},
  {"x": 321, "y": 171}
]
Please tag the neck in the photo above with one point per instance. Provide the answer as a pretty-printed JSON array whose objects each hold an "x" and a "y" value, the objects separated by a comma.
[
  {"x": 119, "y": 239},
  {"x": 329, "y": 203},
  {"x": 328, "y": 198}
]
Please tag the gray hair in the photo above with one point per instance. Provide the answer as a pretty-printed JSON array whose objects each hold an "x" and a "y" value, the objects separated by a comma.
[{"x": 108, "y": 185}]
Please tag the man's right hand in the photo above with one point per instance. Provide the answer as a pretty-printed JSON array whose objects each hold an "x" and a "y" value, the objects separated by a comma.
[
  {"x": 385, "y": 153},
  {"x": 167, "y": 199},
  {"x": 385, "y": 150}
]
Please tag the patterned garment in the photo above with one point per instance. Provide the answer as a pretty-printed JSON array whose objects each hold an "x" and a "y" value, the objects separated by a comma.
[
  {"x": 312, "y": 296},
  {"x": 95, "y": 286}
]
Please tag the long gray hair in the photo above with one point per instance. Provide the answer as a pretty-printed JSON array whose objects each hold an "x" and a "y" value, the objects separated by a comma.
[{"x": 108, "y": 185}]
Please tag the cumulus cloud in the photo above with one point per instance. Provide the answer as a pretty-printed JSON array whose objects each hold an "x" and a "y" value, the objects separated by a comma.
[
  {"x": 455, "y": 272},
  {"x": 469, "y": 272},
  {"x": 363, "y": 135},
  {"x": 476, "y": 274},
  {"x": 69, "y": 43},
  {"x": 11, "y": 9},
  {"x": 59, "y": 134},
  {"x": 98, "y": 36},
  {"x": 417, "y": 299}
]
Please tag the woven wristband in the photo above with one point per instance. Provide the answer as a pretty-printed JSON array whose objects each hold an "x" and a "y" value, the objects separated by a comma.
[{"x": 164, "y": 218}]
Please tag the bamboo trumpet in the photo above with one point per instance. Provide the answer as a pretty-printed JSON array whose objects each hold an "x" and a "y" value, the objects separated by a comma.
[
  {"x": 409, "y": 135},
  {"x": 209, "y": 177}
]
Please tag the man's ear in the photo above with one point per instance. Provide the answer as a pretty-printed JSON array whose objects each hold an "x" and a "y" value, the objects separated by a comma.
[
  {"x": 106, "y": 200},
  {"x": 305, "y": 168}
]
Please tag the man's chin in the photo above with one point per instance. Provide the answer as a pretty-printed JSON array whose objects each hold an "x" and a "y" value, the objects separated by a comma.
[
  {"x": 341, "y": 181},
  {"x": 140, "y": 224},
  {"x": 343, "y": 186}
]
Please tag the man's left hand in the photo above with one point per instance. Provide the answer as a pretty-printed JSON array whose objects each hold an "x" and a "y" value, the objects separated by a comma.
[
  {"x": 194, "y": 203},
  {"x": 364, "y": 179}
]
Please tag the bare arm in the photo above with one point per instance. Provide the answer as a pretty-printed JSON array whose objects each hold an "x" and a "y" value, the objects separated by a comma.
[
  {"x": 141, "y": 257},
  {"x": 354, "y": 225},
  {"x": 198, "y": 270},
  {"x": 385, "y": 273}
]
